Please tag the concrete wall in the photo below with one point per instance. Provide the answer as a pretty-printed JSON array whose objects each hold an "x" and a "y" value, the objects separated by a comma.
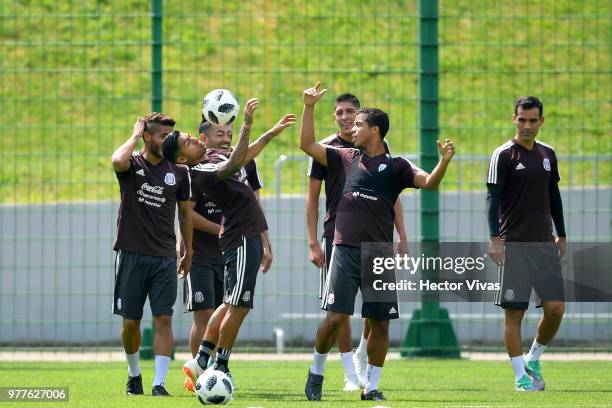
[{"x": 57, "y": 276}]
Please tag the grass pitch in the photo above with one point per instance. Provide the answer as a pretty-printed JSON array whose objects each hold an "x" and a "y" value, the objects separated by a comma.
[{"x": 281, "y": 384}]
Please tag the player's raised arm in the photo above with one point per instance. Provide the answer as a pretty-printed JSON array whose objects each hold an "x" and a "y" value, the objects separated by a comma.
[
  {"x": 257, "y": 146},
  {"x": 121, "y": 156},
  {"x": 431, "y": 181},
  {"x": 238, "y": 155},
  {"x": 307, "y": 133}
]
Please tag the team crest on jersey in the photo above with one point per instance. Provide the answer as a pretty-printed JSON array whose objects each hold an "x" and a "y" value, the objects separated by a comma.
[
  {"x": 546, "y": 164},
  {"x": 247, "y": 296},
  {"x": 509, "y": 295},
  {"x": 382, "y": 167},
  {"x": 198, "y": 297},
  {"x": 169, "y": 179}
]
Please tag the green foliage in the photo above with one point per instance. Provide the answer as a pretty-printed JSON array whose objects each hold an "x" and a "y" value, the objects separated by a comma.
[{"x": 74, "y": 76}]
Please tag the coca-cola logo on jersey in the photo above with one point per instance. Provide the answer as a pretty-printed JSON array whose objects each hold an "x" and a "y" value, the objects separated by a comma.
[{"x": 153, "y": 189}]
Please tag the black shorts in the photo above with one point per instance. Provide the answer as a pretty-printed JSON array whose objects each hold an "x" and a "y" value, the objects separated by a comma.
[
  {"x": 326, "y": 246},
  {"x": 528, "y": 266},
  {"x": 138, "y": 276},
  {"x": 241, "y": 268},
  {"x": 203, "y": 287},
  {"x": 344, "y": 279}
]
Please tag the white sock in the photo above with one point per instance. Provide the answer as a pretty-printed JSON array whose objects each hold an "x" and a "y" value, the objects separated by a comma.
[
  {"x": 133, "y": 364},
  {"x": 349, "y": 366},
  {"x": 318, "y": 363},
  {"x": 372, "y": 377},
  {"x": 363, "y": 346},
  {"x": 161, "y": 369},
  {"x": 518, "y": 364},
  {"x": 536, "y": 351}
]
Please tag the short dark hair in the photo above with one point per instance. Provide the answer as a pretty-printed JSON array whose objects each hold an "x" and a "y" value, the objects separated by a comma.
[
  {"x": 376, "y": 117},
  {"x": 347, "y": 97},
  {"x": 155, "y": 118},
  {"x": 170, "y": 147},
  {"x": 528, "y": 102},
  {"x": 204, "y": 127}
]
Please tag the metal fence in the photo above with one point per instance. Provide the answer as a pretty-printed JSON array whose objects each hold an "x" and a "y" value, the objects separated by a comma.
[{"x": 75, "y": 76}]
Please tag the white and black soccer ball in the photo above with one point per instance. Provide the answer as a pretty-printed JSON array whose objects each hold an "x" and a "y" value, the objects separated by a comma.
[
  {"x": 220, "y": 107},
  {"x": 213, "y": 387}
]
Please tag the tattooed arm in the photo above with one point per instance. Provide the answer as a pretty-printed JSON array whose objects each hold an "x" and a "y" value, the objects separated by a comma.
[{"x": 238, "y": 155}]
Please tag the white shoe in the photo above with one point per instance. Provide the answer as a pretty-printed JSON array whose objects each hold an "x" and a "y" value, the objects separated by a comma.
[
  {"x": 192, "y": 371},
  {"x": 351, "y": 384},
  {"x": 361, "y": 366}
]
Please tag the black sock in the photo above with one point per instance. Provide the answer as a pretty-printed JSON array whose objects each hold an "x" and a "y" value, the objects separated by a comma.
[
  {"x": 222, "y": 360},
  {"x": 206, "y": 349}
]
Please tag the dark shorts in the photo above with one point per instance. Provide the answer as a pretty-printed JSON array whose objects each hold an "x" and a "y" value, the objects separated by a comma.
[
  {"x": 529, "y": 266},
  {"x": 203, "y": 287},
  {"x": 343, "y": 281},
  {"x": 138, "y": 276},
  {"x": 241, "y": 268},
  {"x": 326, "y": 246}
]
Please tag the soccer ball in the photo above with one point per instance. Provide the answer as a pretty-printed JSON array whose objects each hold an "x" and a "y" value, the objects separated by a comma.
[
  {"x": 220, "y": 107},
  {"x": 213, "y": 387}
]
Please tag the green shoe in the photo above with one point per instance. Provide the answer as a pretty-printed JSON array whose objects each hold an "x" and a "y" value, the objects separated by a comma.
[
  {"x": 211, "y": 361},
  {"x": 524, "y": 384},
  {"x": 534, "y": 370},
  {"x": 229, "y": 375},
  {"x": 210, "y": 364}
]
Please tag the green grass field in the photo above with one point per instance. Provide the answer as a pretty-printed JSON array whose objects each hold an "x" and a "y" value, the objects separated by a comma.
[
  {"x": 280, "y": 384},
  {"x": 75, "y": 75}
]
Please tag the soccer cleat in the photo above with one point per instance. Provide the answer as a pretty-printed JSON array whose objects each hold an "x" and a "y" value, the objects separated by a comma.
[
  {"x": 534, "y": 370},
  {"x": 524, "y": 384},
  {"x": 210, "y": 363},
  {"x": 361, "y": 365},
  {"x": 188, "y": 384},
  {"x": 192, "y": 371},
  {"x": 159, "y": 391},
  {"x": 229, "y": 376},
  {"x": 134, "y": 385},
  {"x": 351, "y": 384},
  {"x": 314, "y": 387},
  {"x": 373, "y": 395}
]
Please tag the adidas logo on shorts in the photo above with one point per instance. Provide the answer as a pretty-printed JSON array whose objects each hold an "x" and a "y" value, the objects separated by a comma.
[{"x": 392, "y": 310}]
